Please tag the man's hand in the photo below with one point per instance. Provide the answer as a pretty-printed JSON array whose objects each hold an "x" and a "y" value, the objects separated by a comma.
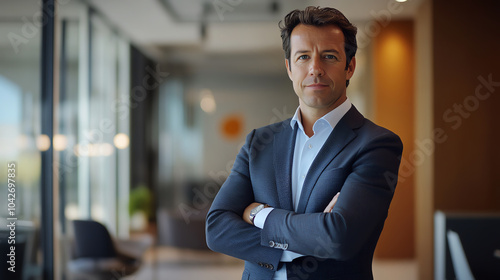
[
  {"x": 329, "y": 208},
  {"x": 246, "y": 213}
]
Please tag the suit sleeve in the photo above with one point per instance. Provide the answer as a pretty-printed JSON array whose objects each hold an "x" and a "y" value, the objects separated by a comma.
[
  {"x": 226, "y": 231},
  {"x": 360, "y": 211}
]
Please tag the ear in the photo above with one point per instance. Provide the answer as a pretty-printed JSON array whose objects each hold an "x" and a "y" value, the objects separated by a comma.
[
  {"x": 287, "y": 65},
  {"x": 350, "y": 68}
]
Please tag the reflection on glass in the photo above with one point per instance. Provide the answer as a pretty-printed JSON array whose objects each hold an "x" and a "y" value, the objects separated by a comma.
[
  {"x": 20, "y": 134},
  {"x": 60, "y": 142},
  {"x": 43, "y": 142},
  {"x": 90, "y": 142},
  {"x": 121, "y": 141}
]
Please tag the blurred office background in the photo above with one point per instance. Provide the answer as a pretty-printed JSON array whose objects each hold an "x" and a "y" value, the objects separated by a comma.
[{"x": 130, "y": 113}]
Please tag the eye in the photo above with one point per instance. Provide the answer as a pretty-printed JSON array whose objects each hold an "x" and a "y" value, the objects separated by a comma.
[
  {"x": 304, "y": 56},
  {"x": 330, "y": 56}
]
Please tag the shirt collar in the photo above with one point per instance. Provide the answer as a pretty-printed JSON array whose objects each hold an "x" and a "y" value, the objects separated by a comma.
[{"x": 332, "y": 117}]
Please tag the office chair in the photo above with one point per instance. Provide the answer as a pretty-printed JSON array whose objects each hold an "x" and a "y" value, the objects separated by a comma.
[
  {"x": 458, "y": 258},
  {"x": 96, "y": 256}
]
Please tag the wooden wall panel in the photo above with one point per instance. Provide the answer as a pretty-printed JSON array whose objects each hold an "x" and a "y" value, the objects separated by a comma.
[
  {"x": 394, "y": 76},
  {"x": 467, "y": 105}
]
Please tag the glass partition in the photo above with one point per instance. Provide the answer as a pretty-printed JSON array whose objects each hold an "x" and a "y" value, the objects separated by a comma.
[
  {"x": 90, "y": 139},
  {"x": 21, "y": 141},
  {"x": 93, "y": 123}
]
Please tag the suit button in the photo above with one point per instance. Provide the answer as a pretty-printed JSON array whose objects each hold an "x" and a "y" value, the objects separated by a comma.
[
  {"x": 271, "y": 243},
  {"x": 285, "y": 246},
  {"x": 261, "y": 264},
  {"x": 270, "y": 266}
]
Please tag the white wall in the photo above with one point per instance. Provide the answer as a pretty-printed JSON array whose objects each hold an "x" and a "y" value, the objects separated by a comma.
[{"x": 259, "y": 100}]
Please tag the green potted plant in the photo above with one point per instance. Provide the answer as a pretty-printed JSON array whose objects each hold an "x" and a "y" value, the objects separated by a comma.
[{"x": 140, "y": 207}]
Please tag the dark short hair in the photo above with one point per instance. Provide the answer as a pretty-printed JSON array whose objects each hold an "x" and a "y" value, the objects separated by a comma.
[{"x": 317, "y": 16}]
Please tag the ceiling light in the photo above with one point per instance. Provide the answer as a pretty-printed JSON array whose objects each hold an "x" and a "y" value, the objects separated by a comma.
[
  {"x": 207, "y": 102},
  {"x": 43, "y": 142},
  {"x": 121, "y": 141},
  {"x": 60, "y": 142}
]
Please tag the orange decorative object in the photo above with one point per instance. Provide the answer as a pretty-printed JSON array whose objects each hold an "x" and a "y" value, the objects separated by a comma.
[{"x": 232, "y": 126}]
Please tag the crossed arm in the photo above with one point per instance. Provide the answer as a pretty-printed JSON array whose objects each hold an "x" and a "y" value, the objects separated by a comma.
[
  {"x": 246, "y": 213},
  {"x": 339, "y": 232}
]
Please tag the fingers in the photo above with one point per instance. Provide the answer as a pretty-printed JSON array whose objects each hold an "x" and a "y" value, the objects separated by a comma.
[
  {"x": 329, "y": 208},
  {"x": 246, "y": 212}
]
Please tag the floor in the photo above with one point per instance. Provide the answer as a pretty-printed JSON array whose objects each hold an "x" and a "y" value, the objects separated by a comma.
[{"x": 162, "y": 263}]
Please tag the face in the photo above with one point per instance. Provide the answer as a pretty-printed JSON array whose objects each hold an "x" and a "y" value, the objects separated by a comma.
[{"x": 317, "y": 67}]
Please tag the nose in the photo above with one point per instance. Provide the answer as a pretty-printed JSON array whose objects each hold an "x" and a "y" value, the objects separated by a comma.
[{"x": 316, "y": 68}]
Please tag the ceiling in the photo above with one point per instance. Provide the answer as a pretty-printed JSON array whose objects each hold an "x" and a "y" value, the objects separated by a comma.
[{"x": 207, "y": 34}]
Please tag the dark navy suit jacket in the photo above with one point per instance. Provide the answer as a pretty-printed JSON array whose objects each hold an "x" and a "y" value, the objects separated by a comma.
[{"x": 359, "y": 159}]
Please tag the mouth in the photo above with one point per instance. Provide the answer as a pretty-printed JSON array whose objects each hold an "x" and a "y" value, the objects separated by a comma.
[{"x": 317, "y": 86}]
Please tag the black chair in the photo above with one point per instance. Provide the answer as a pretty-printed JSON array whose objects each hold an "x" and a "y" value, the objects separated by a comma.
[
  {"x": 26, "y": 246},
  {"x": 96, "y": 254},
  {"x": 472, "y": 249},
  {"x": 175, "y": 231}
]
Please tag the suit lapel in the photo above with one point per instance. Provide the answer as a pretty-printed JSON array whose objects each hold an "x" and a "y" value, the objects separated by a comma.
[
  {"x": 342, "y": 135},
  {"x": 284, "y": 143}
]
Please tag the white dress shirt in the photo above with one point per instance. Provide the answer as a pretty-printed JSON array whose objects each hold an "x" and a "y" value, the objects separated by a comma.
[{"x": 306, "y": 149}]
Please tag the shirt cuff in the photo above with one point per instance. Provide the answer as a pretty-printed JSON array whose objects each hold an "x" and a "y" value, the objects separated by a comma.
[
  {"x": 261, "y": 217},
  {"x": 289, "y": 256}
]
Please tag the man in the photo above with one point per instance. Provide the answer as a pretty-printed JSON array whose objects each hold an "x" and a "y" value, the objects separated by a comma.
[{"x": 307, "y": 198}]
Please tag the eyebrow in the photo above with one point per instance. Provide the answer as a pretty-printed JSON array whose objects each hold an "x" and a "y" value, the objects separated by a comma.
[
  {"x": 325, "y": 51},
  {"x": 333, "y": 51},
  {"x": 300, "y": 52}
]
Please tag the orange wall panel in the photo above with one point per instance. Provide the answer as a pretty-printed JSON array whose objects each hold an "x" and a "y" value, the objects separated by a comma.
[{"x": 393, "y": 68}]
